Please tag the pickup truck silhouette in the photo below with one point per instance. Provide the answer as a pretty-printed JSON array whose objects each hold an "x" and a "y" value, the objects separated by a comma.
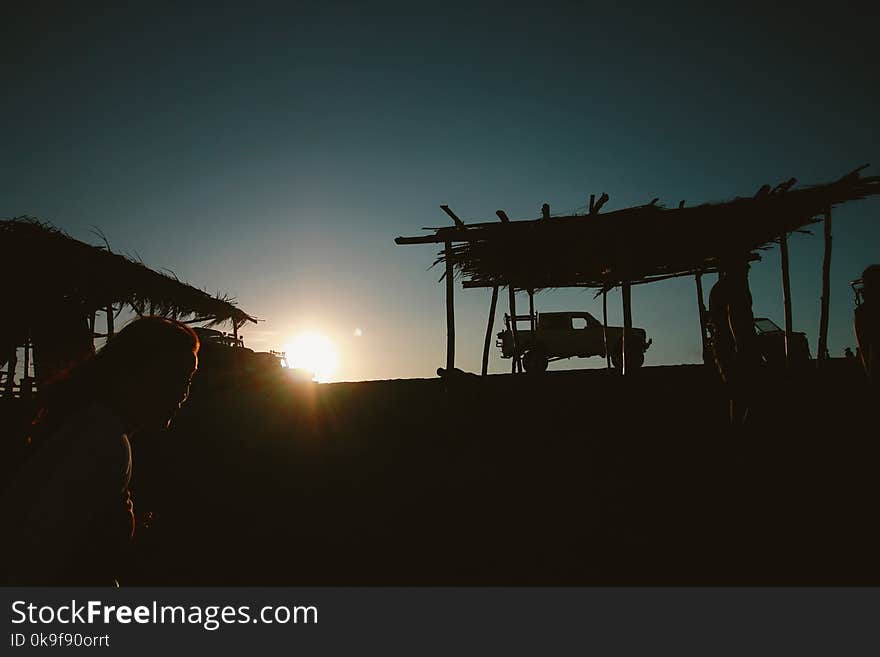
[
  {"x": 771, "y": 342},
  {"x": 568, "y": 335}
]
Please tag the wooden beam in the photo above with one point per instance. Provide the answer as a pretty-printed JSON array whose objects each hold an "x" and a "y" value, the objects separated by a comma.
[
  {"x": 489, "y": 327},
  {"x": 468, "y": 285},
  {"x": 458, "y": 222},
  {"x": 450, "y": 311},
  {"x": 503, "y": 216},
  {"x": 786, "y": 295},
  {"x": 422, "y": 239},
  {"x": 822, "y": 354},
  {"x": 626, "y": 290}
]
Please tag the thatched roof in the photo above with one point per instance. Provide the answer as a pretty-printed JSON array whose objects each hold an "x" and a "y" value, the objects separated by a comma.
[
  {"x": 45, "y": 266},
  {"x": 636, "y": 244}
]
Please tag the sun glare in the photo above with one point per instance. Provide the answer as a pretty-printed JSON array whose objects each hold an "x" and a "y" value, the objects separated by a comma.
[{"x": 315, "y": 353}]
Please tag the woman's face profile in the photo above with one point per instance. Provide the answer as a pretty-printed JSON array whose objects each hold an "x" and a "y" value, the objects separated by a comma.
[
  {"x": 183, "y": 395},
  {"x": 168, "y": 393}
]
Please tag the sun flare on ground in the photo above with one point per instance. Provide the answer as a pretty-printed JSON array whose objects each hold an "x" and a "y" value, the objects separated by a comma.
[{"x": 315, "y": 353}]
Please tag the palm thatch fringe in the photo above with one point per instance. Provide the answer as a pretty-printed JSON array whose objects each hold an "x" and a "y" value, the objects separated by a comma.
[{"x": 48, "y": 268}]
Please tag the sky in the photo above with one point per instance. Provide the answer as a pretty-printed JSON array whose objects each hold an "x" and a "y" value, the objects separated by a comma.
[{"x": 273, "y": 152}]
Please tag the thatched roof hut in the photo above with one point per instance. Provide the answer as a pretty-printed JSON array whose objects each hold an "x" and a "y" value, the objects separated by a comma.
[
  {"x": 55, "y": 284},
  {"x": 634, "y": 245}
]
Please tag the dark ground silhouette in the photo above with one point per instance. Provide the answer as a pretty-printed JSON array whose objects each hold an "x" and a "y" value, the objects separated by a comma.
[{"x": 570, "y": 478}]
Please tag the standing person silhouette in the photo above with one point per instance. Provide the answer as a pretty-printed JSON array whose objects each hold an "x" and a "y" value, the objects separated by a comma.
[
  {"x": 867, "y": 324},
  {"x": 68, "y": 515},
  {"x": 734, "y": 344}
]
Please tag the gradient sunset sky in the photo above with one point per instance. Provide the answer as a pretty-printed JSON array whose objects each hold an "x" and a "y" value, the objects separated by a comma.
[{"x": 273, "y": 152}]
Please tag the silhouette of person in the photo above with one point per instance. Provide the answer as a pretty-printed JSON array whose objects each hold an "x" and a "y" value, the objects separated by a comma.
[
  {"x": 734, "y": 342},
  {"x": 867, "y": 324},
  {"x": 68, "y": 514}
]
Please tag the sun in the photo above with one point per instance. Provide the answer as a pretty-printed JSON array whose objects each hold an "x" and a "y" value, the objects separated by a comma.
[{"x": 315, "y": 353}]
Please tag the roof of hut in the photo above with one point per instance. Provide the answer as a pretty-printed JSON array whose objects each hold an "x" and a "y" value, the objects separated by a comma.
[
  {"x": 637, "y": 244},
  {"x": 48, "y": 266}
]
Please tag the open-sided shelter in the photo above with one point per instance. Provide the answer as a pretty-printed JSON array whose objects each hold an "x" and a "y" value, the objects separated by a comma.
[{"x": 635, "y": 245}]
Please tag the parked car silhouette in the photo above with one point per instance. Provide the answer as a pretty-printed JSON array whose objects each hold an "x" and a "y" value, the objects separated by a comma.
[
  {"x": 771, "y": 340},
  {"x": 561, "y": 335},
  {"x": 223, "y": 357}
]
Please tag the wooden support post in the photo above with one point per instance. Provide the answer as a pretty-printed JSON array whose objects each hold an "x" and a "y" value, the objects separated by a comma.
[
  {"x": 626, "y": 290},
  {"x": 786, "y": 295},
  {"x": 27, "y": 356},
  {"x": 450, "y": 310},
  {"x": 110, "y": 330},
  {"x": 92, "y": 324},
  {"x": 605, "y": 327},
  {"x": 489, "y": 328},
  {"x": 701, "y": 307},
  {"x": 532, "y": 324},
  {"x": 822, "y": 354},
  {"x": 26, "y": 387},
  {"x": 512, "y": 303}
]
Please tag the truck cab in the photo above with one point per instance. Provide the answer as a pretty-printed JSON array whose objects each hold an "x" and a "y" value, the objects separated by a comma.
[{"x": 771, "y": 342}]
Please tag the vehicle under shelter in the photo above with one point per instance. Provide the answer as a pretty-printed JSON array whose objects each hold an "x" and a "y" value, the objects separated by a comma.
[{"x": 633, "y": 246}]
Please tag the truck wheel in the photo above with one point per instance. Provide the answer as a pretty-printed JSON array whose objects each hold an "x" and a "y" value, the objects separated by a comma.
[
  {"x": 636, "y": 358},
  {"x": 535, "y": 362}
]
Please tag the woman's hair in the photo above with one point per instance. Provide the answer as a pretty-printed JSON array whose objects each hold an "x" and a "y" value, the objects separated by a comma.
[{"x": 146, "y": 342}]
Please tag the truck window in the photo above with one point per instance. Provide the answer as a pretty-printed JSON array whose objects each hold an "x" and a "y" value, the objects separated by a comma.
[
  {"x": 766, "y": 326},
  {"x": 555, "y": 322}
]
